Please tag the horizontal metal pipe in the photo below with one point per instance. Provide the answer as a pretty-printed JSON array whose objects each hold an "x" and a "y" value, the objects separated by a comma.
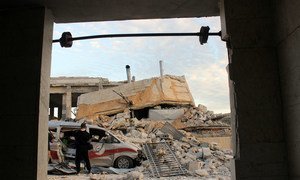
[{"x": 139, "y": 35}]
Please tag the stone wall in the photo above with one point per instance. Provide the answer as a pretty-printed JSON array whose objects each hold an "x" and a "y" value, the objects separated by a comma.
[
  {"x": 288, "y": 51},
  {"x": 259, "y": 142}
]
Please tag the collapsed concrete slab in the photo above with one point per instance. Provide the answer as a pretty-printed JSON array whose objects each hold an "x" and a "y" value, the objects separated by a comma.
[
  {"x": 169, "y": 90},
  {"x": 165, "y": 114}
]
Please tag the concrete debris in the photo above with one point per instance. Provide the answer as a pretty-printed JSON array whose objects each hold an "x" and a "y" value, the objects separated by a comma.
[
  {"x": 205, "y": 122},
  {"x": 202, "y": 172},
  {"x": 206, "y": 153},
  {"x": 195, "y": 165},
  {"x": 165, "y": 114},
  {"x": 135, "y": 175},
  {"x": 141, "y": 94},
  {"x": 202, "y": 159},
  {"x": 195, "y": 116},
  {"x": 171, "y": 130},
  {"x": 202, "y": 108}
]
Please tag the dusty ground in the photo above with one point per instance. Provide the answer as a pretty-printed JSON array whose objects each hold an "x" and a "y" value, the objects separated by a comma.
[{"x": 121, "y": 177}]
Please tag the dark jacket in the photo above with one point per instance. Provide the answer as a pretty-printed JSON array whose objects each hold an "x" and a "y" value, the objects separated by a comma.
[{"x": 82, "y": 140}]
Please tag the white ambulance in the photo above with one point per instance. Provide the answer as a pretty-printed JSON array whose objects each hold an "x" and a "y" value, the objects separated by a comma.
[{"x": 108, "y": 150}]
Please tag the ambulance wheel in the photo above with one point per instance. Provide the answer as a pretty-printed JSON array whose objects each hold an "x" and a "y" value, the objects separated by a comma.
[{"x": 124, "y": 162}]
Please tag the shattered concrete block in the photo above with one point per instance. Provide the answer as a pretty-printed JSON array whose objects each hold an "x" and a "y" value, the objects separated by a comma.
[
  {"x": 212, "y": 166},
  {"x": 206, "y": 153},
  {"x": 214, "y": 146},
  {"x": 142, "y": 130},
  {"x": 149, "y": 127},
  {"x": 135, "y": 133},
  {"x": 193, "y": 150},
  {"x": 144, "y": 135},
  {"x": 219, "y": 153},
  {"x": 104, "y": 118},
  {"x": 165, "y": 114},
  {"x": 193, "y": 156},
  {"x": 209, "y": 113},
  {"x": 193, "y": 112},
  {"x": 151, "y": 136},
  {"x": 228, "y": 157},
  {"x": 202, "y": 108},
  {"x": 194, "y": 165},
  {"x": 120, "y": 115},
  {"x": 209, "y": 122},
  {"x": 135, "y": 175},
  {"x": 202, "y": 172},
  {"x": 145, "y": 93},
  {"x": 134, "y": 122},
  {"x": 157, "y": 107},
  {"x": 178, "y": 124},
  {"x": 184, "y": 139}
]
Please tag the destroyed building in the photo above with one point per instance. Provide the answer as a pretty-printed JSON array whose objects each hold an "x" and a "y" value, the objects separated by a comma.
[
  {"x": 165, "y": 124},
  {"x": 64, "y": 92},
  {"x": 138, "y": 96}
]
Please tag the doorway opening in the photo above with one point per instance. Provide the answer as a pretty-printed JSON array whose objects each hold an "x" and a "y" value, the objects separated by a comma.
[{"x": 100, "y": 64}]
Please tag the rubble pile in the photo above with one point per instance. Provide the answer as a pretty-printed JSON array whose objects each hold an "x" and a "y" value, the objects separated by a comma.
[
  {"x": 203, "y": 122},
  {"x": 201, "y": 159},
  {"x": 193, "y": 117},
  {"x": 196, "y": 116}
]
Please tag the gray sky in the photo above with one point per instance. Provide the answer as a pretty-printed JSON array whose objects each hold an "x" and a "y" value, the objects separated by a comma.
[{"x": 203, "y": 65}]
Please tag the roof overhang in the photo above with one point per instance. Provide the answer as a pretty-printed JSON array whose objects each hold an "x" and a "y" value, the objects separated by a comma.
[{"x": 67, "y": 11}]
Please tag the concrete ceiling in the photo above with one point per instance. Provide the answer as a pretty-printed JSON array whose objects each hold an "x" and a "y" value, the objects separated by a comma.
[{"x": 66, "y": 11}]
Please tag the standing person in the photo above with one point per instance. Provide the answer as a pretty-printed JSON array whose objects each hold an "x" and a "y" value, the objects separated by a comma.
[{"x": 82, "y": 138}]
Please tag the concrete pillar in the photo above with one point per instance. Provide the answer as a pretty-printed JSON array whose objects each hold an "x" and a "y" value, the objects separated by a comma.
[
  {"x": 67, "y": 104},
  {"x": 259, "y": 143},
  {"x": 64, "y": 107},
  {"x": 25, "y": 53}
]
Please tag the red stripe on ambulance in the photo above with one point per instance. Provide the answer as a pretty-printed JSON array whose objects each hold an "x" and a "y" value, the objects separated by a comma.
[{"x": 94, "y": 154}]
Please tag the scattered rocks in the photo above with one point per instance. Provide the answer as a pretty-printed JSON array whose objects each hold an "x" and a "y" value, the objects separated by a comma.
[
  {"x": 196, "y": 117},
  {"x": 201, "y": 159},
  {"x": 206, "y": 153}
]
